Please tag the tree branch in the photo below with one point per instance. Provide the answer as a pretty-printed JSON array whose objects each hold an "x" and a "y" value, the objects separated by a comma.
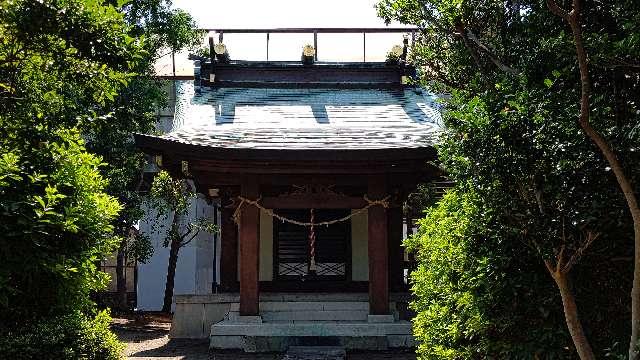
[
  {"x": 589, "y": 239},
  {"x": 491, "y": 54},
  {"x": 465, "y": 39},
  {"x": 557, "y": 10},
  {"x": 183, "y": 244},
  {"x": 550, "y": 267},
  {"x": 560, "y": 259}
]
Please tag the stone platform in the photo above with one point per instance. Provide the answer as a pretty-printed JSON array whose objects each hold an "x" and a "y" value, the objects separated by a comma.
[
  {"x": 283, "y": 324},
  {"x": 195, "y": 314}
]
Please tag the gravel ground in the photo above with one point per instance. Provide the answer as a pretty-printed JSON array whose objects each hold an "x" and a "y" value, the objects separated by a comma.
[{"x": 147, "y": 337}]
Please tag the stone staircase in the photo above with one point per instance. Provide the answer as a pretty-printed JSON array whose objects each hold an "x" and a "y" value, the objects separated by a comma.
[{"x": 283, "y": 324}]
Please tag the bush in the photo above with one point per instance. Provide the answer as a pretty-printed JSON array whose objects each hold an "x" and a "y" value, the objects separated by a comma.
[
  {"x": 71, "y": 336},
  {"x": 478, "y": 294},
  {"x": 56, "y": 226}
]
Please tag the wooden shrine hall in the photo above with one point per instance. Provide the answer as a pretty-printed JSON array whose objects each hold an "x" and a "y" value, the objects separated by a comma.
[{"x": 311, "y": 165}]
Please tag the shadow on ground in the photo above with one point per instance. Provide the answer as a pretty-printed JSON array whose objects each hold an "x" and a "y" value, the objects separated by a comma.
[{"x": 149, "y": 340}]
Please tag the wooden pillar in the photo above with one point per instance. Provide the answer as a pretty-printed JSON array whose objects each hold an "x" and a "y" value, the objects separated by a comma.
[
  {"x": 378, "y": 249},
  {"x": 228, "y": 247},
  {"x": 249, "y": 250},
  {"x": 396, "y": 253}
]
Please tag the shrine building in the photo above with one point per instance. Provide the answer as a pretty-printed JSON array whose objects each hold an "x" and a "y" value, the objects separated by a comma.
[{"x": 311, "y": 164}]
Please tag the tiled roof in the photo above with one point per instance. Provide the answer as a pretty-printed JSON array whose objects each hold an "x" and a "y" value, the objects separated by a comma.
[{"x": 304, "y": 119}]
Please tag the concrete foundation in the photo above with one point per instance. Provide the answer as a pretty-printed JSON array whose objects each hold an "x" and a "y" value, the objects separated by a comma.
[
  {"x": 311, "y": 320},
  {"x": 195, "y": 314}
]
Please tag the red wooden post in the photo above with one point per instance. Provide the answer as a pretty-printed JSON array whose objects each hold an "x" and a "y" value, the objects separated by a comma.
[
  {"x": 396, "y": 253},
  {"x": 249, "y": 250},
  {"x": 378, "y": 250},
  {"x": 228, "y": 248}
]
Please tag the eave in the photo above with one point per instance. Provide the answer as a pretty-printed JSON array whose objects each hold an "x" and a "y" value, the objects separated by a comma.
[{"x": 155, "y": 145}]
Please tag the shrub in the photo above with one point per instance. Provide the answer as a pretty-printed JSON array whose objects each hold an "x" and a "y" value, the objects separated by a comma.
[
  {"x": 477, "y": 295},
  {"x": 71, "y": 336},
  {"x": 56, "y": 226}
]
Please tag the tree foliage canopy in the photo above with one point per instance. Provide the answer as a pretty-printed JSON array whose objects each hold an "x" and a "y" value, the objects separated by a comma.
[
  {"x": 160, "y": 30},
  {"x": 512, "y": 143},
  {"x": 76, "y": 80},
  {"x": 62, "y": 64}
]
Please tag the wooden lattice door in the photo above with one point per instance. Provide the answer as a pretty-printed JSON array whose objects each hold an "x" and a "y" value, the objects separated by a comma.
[{"x": 332, "y": 246}]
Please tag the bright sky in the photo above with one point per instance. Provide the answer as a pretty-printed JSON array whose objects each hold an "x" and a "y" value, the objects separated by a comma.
[
  {"x": 282, "y": 13},
  {"x": 251, "y": 14}
]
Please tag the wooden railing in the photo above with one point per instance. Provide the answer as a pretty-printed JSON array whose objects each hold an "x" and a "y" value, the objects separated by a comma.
[{"x": 315, "y": 31}]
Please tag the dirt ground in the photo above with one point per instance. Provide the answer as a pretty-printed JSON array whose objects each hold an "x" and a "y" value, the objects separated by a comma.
[{"x": 147, "y": 337}]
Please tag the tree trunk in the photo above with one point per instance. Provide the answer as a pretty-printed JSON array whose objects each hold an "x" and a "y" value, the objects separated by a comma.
[
  {"x": 635, "y": 293},
  {"x": 573, "y": 19},
  {"x": 171, "y": 275},
  {"x": 121, "y": 280},
  {"x": 571, "y": 316}
]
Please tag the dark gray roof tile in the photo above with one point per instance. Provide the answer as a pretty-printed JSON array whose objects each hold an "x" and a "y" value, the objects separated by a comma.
[{"x": 261, "y": 118}]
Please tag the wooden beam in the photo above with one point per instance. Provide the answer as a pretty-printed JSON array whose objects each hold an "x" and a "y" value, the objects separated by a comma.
[
  {"x": 249, "y": 250},
  {"x": 378, "y": 249},
  {"x": 405, "y": 182},
  {"x": 314, "y": 202},
  {"x": 228, "y": 247},
  {"x": 233, "y": 166},
  {"x": 210, "y": 177}
]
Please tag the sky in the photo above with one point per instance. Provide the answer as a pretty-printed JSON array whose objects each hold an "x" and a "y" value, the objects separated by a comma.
[
  {"x": 281, "y": 13},
  {"x": 252, "y": 14}
]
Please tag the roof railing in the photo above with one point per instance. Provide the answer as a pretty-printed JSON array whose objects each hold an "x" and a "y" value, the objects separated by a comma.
[{"x": 315, "y": 31}]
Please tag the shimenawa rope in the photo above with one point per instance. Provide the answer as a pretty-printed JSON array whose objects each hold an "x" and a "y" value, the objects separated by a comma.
[{"x": 236, "y": 214}]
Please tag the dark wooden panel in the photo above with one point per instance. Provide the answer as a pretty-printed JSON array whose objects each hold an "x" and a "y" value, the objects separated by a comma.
[
  {"x": 396, "y": 251},
  {"x": 314, "y": 286},
  {"x": 296, "y": 74}
]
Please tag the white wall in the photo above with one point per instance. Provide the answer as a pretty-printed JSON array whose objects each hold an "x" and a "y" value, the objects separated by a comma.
[{"x": 194, "y": 270}]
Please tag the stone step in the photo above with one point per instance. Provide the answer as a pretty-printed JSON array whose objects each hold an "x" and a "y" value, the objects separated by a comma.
[
  {"x": 310, "y": 305},
  {"x": 260, "y": 344},
  {"x": 315, "y": 353},
  {"x": 280, "y": 336},
  {"x": 326, "y": 315},
  {"x": 311, "y": 328},
  {"x": 309, "y": 315}
]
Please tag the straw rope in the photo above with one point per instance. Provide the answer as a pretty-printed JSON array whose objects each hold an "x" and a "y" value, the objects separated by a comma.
[
  {"x": 236, "y": 214},
  {"x": 312, "y": 244}
]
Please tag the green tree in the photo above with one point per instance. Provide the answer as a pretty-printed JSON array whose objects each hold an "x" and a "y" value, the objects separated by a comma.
[
  {"x": 172, "y": 197},
  {"x": 512, "y": 120},
  {"x": 475, "y": 289},
  {"x": 134, "y": 110},
  {"x": 71, "y": 74},
  {"x": 61, "y": 63}
]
